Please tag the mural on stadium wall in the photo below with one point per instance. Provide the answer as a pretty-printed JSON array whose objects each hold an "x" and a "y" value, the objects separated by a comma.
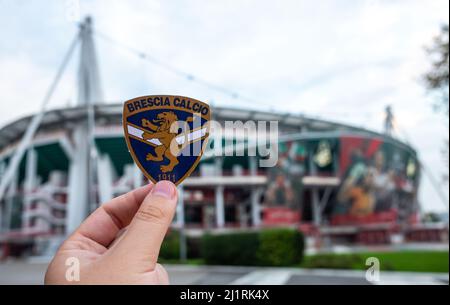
[
  {"x": 284, "y": 190},
  {"x": 285, "y": 186},
  {"x": 377, "y": 177},
  {"x": 296, "y": 160}
]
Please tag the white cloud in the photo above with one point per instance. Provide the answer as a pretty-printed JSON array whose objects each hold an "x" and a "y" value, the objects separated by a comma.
[
  {"x": 342, "y": 60},
  {"x": 23, "y": 85}
]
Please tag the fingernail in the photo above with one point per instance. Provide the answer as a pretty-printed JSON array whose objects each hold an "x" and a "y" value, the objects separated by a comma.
[{"x": 164, "y": 189}]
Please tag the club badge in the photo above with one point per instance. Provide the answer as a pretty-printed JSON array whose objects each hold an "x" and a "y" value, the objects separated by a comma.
[{"x": 166, "y": 135}]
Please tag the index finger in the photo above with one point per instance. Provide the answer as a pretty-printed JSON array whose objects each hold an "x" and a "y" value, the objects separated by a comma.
[{"x": 105, "y": 222}]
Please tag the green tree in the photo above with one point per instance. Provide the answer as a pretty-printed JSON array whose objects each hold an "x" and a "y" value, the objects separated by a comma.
[{"x": 437, "y": 79}]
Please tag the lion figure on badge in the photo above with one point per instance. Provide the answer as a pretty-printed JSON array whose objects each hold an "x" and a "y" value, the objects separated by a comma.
[{"x": 162, "y": 129}]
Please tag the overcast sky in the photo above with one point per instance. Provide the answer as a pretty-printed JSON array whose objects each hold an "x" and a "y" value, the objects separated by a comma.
[{"x": 341, "y": 60}]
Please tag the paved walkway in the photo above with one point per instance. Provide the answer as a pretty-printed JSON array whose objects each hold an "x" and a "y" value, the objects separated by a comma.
[{"x": 33, "y": 273}]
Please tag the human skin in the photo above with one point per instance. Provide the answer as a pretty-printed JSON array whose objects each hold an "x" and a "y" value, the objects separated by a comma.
[{"x": 119, "y": 242}]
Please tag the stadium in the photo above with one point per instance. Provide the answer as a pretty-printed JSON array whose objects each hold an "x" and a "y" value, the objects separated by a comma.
[{"x": 339, "y": 184}]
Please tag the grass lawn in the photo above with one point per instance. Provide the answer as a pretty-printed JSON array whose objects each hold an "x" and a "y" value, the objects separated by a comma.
[{"x": 415, "y": 261}]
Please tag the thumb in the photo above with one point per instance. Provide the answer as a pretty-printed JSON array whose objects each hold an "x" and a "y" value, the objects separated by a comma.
[{"x": 143, "y": 239}]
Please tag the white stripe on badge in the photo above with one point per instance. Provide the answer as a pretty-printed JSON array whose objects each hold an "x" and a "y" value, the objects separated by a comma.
[
  {"x": 192, "y": 136},
  {"x": 138, "y": 133}
]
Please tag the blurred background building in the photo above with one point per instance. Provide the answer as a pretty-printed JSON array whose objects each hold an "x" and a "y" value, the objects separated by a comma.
[{"x": 337, "y": 183}]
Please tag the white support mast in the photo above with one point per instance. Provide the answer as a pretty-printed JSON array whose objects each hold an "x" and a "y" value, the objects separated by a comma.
[
  {"x": 33, "y": 127},
  {"x": 82, "y": 169}
]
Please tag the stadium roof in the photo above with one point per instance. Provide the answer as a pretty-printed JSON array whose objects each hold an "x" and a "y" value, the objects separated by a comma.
[{"x": 111, "y": 114}]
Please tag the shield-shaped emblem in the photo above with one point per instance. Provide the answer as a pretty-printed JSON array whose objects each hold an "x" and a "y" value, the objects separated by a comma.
[{"x": 166, "y": 135}]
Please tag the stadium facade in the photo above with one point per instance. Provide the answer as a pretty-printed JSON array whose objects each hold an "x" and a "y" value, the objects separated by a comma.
[
  {"x": 337, "y": 183},
  {"x": 331, "y": 180}
]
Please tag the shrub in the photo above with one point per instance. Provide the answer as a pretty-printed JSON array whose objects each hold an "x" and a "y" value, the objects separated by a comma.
[
  {"x": 275, "y": 247},
  {"x": 170, "y": 248},
  {"x": 193, "y": 247},
  {"x": 230, "y": 249},
  {"x": 280, "y": 247}
]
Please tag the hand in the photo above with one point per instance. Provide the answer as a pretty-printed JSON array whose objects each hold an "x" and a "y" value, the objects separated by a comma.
[{"x": 119, "y": 242}]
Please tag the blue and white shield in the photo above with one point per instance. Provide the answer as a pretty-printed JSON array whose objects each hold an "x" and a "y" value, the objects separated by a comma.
[{"x": 166, "y": 135}]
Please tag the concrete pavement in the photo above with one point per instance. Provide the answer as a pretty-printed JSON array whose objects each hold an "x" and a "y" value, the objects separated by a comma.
[{"x": 32, "y": 273}]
